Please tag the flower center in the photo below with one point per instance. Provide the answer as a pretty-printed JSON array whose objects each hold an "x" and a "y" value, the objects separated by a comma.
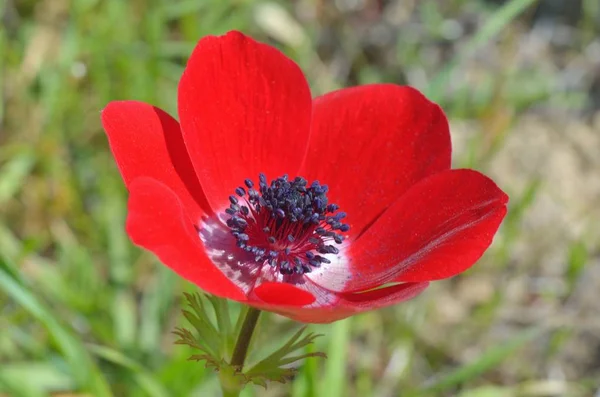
[{"x": 288, "y": 225}]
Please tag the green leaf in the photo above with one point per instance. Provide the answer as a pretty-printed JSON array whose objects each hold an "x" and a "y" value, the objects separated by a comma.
[
  {"x": 209, "y": 337},
  {"x": 275, "y": 367},
  {"x": 221, "y": 308},
  {"x": 305, "y": 383},
  {"x": 272, "y": 368},
  {"x": 187, "y": 338}
]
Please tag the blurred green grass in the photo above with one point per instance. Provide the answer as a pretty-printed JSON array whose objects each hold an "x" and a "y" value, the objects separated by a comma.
[{"x": 85, "y": 312}]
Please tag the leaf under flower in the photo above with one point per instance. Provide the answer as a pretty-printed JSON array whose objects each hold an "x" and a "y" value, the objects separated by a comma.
[{"x": 212, "y": 341}]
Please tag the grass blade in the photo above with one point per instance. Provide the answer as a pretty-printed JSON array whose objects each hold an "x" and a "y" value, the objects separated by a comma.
[
  {"x": 142, "y": 377},
  {"x": 491, "y": 28},
  {"x": 335, "y": 381},
  {"x": 484, "y": 363},
  {"x": 83, "y": 368},
  {"x": 32, "y": 379},
  {"x": 14, "y": 173}
]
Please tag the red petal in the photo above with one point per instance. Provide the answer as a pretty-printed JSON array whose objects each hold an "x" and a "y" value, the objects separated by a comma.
[
  {"x": 283, "y": 294},
  {"x": 244, "y": 108},
  {"x": 146, "y": 141},
  {"x": 438, "y": 229},
  {"x": 372, "y": 143},
  {"x": 157, "y": 221},
  {"x": 351, "y": 304}
]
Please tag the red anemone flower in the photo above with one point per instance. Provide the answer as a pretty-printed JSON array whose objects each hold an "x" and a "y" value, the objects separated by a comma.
[{"x": 317, "y": 209}]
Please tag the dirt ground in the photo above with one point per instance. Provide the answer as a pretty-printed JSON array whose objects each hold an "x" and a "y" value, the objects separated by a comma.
[{"x": 560, "y": 222}]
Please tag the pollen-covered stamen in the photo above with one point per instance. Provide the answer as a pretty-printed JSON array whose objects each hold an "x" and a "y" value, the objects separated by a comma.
[{"x": 286, "y": 224}]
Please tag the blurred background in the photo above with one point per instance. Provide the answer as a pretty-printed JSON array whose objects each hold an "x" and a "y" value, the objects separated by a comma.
[{"x": 82, "y": 308}]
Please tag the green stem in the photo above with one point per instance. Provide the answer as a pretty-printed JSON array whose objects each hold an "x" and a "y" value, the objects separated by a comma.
[
  {"x": 230, "y": 392},
  {"x": 243, "y": 342},
  {"x": 230, "y": 383}
]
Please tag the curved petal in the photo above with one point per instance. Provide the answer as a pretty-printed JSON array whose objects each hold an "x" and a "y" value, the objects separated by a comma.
[
  {"x": 347, "y": 305},
  {"x": 146, "y": 141},
  {"x": 282, "y": 294},
  {"x": 438, "y": 229},
  {"x": 157, "y": 221},
  {"x": 244, "y": 108},
  {"x": 371, "y": 143}
]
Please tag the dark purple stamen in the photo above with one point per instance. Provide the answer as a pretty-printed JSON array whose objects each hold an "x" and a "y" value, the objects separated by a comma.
[{"x": 286, "y": 223}]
